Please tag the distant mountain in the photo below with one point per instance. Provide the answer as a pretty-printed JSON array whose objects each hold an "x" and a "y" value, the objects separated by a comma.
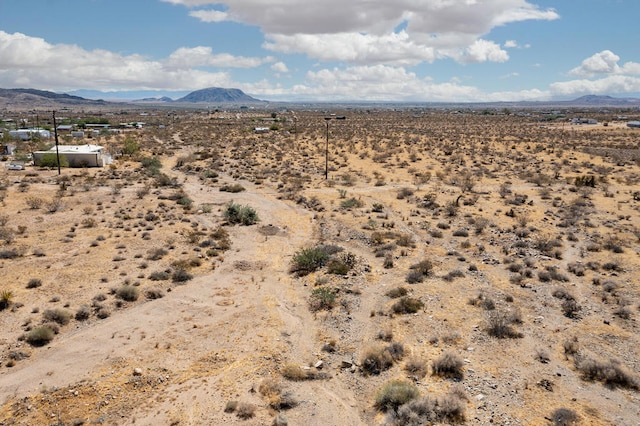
[
  {"x": 34, "y": 97},
  {"x": 163, "y": 99},
  {"x": 218, "y": 95},
  {"x": 596, "y": 100}
]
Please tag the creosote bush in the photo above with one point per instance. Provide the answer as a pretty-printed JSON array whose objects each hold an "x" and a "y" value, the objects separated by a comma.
[
  {"x": 500, "y": 325},
  {"x": 322, "y": 298},
  {"x": 427, "y": 410},
  {"x": 308, "y": 260},
  {"x": 243, "y": 215}
]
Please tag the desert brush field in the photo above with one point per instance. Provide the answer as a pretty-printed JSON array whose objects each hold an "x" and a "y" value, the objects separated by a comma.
[{"x": 456, "y": 267}]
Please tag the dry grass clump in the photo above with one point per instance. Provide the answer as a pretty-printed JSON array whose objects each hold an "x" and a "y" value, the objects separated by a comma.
[
  {"x": 417, "y": 367},
  {"x": 394, "y": 293},
  {"x": 500, "y": 325},
  {"x": 448, "y": 365},
  {"x": 395, "y": 393},
  {"x": 447, "y": 409},
  {"x": 246, "y": 410},
  {"x": 277, "y": 396},
  {"x": 378, "y": 358},
  {"x": 128, "y": 293},
  {"x": 611, "y": 373},
  {"x": 407, "y": 305},
  {"x": 59, "y": 316}
]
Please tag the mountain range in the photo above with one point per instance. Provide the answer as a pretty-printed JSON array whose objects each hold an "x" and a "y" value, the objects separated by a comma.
[{"x": 33, "y": 98}]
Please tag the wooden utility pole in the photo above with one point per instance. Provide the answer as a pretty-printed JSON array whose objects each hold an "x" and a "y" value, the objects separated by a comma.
[{"x": 55, "y": 132}]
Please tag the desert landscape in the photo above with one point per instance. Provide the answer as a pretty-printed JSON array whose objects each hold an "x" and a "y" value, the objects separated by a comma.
[{"x": 457, "y": 266}]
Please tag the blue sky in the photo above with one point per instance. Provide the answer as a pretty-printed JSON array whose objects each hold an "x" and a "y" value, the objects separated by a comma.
[{"x": 333, "y": 50}]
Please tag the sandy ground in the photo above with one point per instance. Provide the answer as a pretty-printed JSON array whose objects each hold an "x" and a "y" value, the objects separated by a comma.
[{"x": 217, "y": 339}]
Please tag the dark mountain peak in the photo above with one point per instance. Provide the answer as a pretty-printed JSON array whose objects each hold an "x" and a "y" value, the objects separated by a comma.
[{"x": 218, "y": 95}]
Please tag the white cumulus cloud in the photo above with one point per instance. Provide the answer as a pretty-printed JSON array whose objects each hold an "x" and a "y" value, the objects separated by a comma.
[
  {"x": 33, "y": 62},
  {"x": 364, "y": 31}
]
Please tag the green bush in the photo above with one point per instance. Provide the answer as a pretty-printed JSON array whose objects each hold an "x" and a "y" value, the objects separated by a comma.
[
  {"x": 40, "y": 336},
  {"x": 243, "y": 215},
  {"x": 322, "y": 298},
  {"x": 395, "y": 393},
  {"x": 51, "y": 160},
  {"x": 308, "y": 260}
]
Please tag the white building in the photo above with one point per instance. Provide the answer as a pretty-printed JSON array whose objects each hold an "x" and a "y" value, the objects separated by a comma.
[{"x": 78, "y": 155}]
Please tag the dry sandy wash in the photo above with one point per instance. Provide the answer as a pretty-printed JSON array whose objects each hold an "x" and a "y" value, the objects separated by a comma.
[{"x": 455, "y": 268}]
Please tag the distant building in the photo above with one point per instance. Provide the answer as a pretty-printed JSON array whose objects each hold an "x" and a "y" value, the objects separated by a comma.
[
  {"x": 65, "y": 127},
  {"x": 7, "y": 149},
  {"x": 27, "y": 134},
  {"x": 78, "y": 155},
  {"x": 77, "y": 134},
  {"x": 634, "y": 124},
  {"x": 584, "y": 121},
  {"x": 261, "y": 130}
]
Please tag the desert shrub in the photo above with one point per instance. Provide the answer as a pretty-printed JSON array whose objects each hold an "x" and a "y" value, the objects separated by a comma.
[
  {"x": 34, "y": 203},
  {"x": 103, "y": 312},
  {"x": 414, "y": 277},
  {"x": 395, "y": 393},
  {"x": 424, "y": 267},
  {"x": 34, "y": 283},
  {"x": 451, "y": 275},
  {"x": 416, "y": 367},
  {"x": 375, "y": 360},
  {"x": 565, "y": 417},
  {"x": 461, "y": 233},
  {"x": 388, "y": 262},
  {"x": 242, "y": 215},
  {"x": 181, "y": 276},
  {"x": 611, "y": 373},
  {"x": 309, "y": 260},
  {"x": 322, "y": 298},
  {"x": 448, "y": 365},
  {"x": 394, "y": 293},
  {"x": 293, "y": 372},
  {"x": 6, "y": 298},
  {"x": 230, "y": 406},
  {"x": 385, "y": 334},
  {"x": 337, "y": 267},
  {"x": 396, "y": 350},
  {"x": 351, "y": 203},
  {"x": 499, "y": 324},
  {"x": 405, "y": 240},
  {"x": 151, "y": 165},
  {"x": 40, "y": 336},
  {"x": 59, "y": 316},
  {"x": 156, "y": 253},
  {"x": 570, "y": 308},
  {"x": 153, "y": 293},
  {"x": 276, "y": 395},
  {"x": 427, "y": 410},
  {"x": 235, "y": 188},
  {"x": 128, "y": 293},
  {"x": 83, "y": 313},
  {"x": 159, "y": 276},
  {"x": 404, "y": 193},
  {"x": 245, "y": 410},
  {"x": 51, "y": 160},
  {"x": 407, "y": 305},
  {"x": 11, "y": 253},
  {"x": 571, "y": 346}
]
